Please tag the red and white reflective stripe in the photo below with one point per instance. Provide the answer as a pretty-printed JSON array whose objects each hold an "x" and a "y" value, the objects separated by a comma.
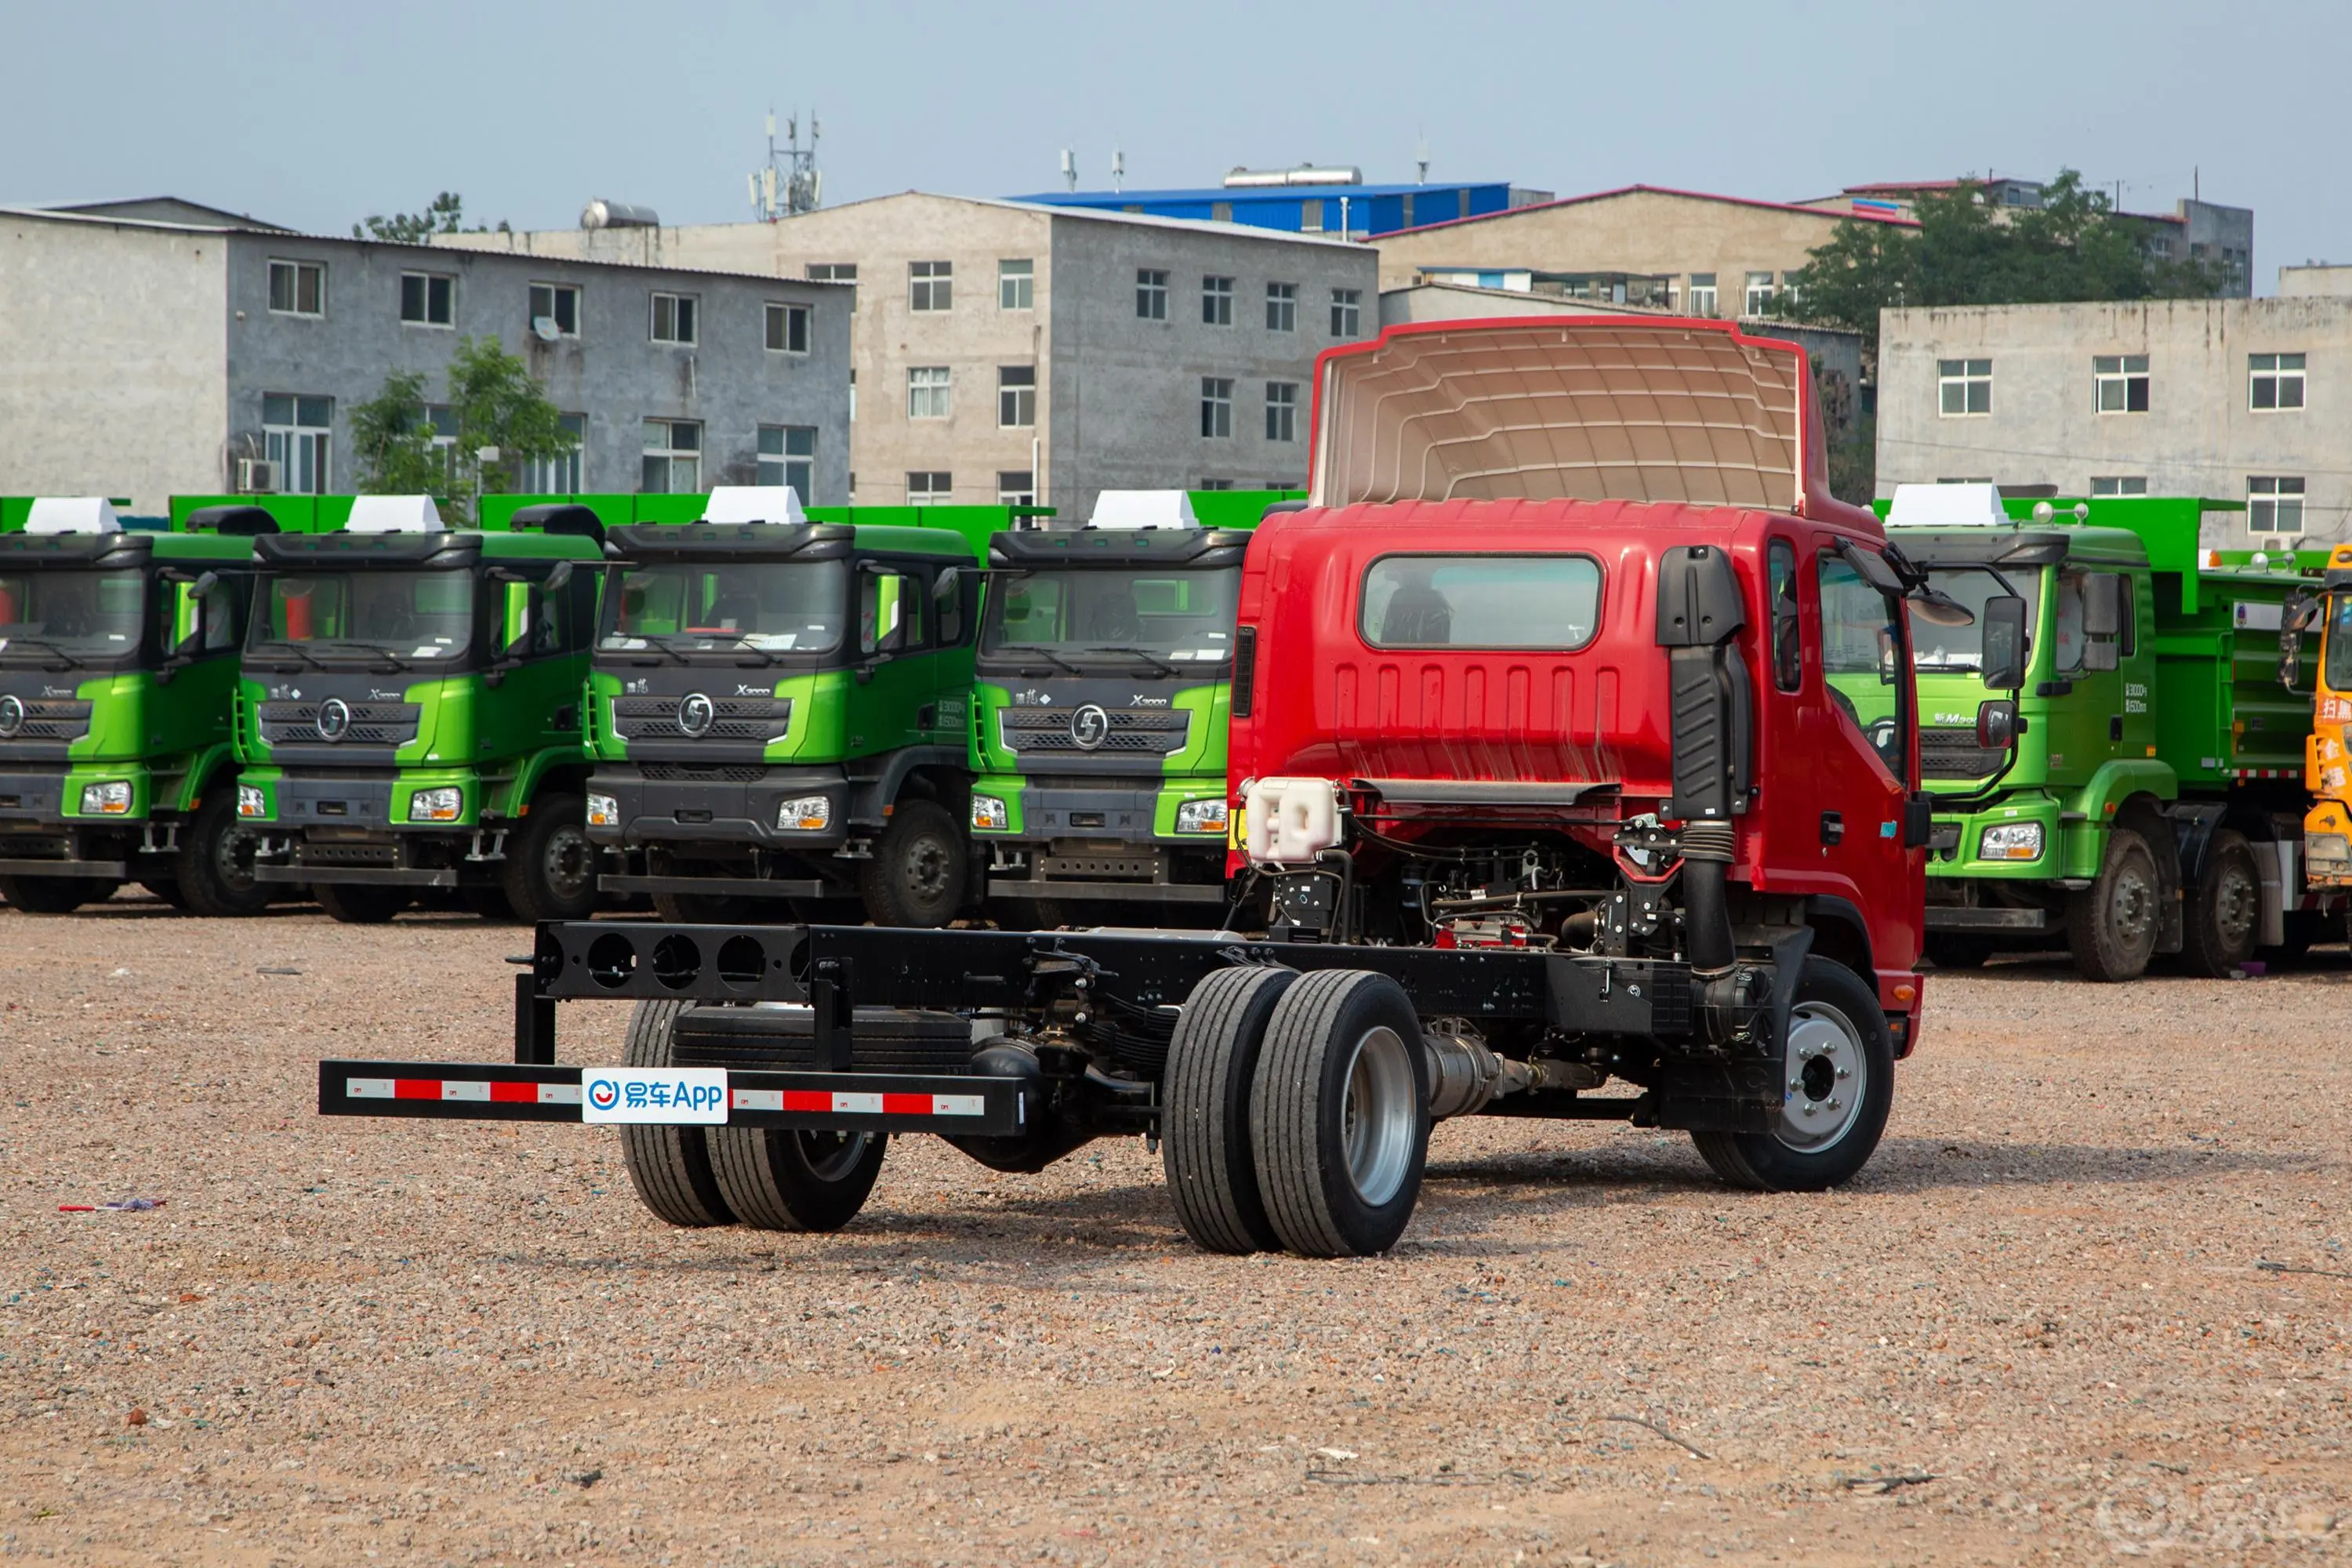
[
  {"x": 845, "y": 1103},
  {"x": 482, "y": 1091},
  {"x": 2267, "y": 773}
]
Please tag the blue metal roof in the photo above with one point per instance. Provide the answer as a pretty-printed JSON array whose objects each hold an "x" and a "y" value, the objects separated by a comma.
[
  {"x": 1247, "y": 193},
  {"x": 1371, "y": 210}
]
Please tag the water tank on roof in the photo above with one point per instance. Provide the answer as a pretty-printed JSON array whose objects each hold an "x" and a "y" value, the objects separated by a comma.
[
  {"x": 1305, "y": 175},
  {"x": 601, "y": 213}
]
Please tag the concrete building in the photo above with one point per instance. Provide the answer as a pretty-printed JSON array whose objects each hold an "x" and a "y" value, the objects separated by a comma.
[
  {"x": 1308, "y": 200},
  {"x": 2314, "y": 277},
  {"x": 1006, "y": 351},
  {"x": 2236, "y": 399},
  {"x": 1679, "y": 250},
  {"x": 149, "y": 357}
]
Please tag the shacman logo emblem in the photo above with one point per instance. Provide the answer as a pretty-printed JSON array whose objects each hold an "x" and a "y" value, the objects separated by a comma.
[
  {"x": 605, "y": 1093},
  {"x": 697, "y": 714},
  {"x": 1089, "y": 727},
  {"x": 334, "y": 718},
  {"x": 12, "y": 714}
]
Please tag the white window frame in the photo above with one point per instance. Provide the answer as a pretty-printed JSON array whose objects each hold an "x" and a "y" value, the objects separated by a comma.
[
  {"x": 1966, "y": 380},
  {"x": 2111, "y": 384},
  {"x": 294, "y": 444},
  {"x": 685, "y": 319},
  {"x": 1216, "y": 408},
  {"x": 1214, "y": 485},
  {"x": 775, "y": 463},
  {"x": 2118, "y": 485},
  {"x": 1024, "y": 493},
  {"x": 1346, "y": 313},
  {"x": 1758, "y": 300},
  {"x": 1702, "y": 294},
  {"x": 1016, "y": 283},
  {"x": 787, "y": 315},
  {"x": 556, "y": 293},
  {"x": 2279, "y": 498},
  {"x": 670, "y": 454},
  {"x": 1282, "y": 307},
  {"x": 1281, "y": 411},
  {"x": 930, "y": 494},
  {"x": 835, "y": 272},
  {"x": 1216, "y": 300},
  {"x": 1151, "y": 293},
  {"x": 930, "y": 392},
  {"x": 1016, "y": 400},
  {"x": 558, "y": 475},
  {"x": 294, "y": 270},
  {"x": 448, "y": 281},
  {"x": 2282, "y": 376},
  {"x": 930, "y": 287}
]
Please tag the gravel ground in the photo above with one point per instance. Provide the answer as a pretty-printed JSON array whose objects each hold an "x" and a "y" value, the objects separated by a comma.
[{"x": 2035, "y": 1330}]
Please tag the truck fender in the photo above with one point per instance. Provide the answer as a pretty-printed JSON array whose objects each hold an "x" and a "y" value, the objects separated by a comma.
[
  {"x": 869, "y": 792},
  {"x": 2150, "y": 819},
  {"x": 1847, "y": 933},
  {"x": 214, "y": 765},
  {"x": 1788, "y": 967},
  {"x": 2193, "y": 822}
]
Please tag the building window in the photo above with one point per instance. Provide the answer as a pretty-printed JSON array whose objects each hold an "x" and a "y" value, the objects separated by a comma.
[
  {"x": 852, "y": 394},
  {"x": 1760, "y": 295},
  {"x": 788, "y": 457},
  {"x": 1310, "y": 216},
  {"x": 2277, "y": 381},
  {"x": 927, "y": 392},
  {"x": 1702, "y": 294},
  {"x": 444, "y": 420},
  {"x": 1788, "y": 288},
  {"x": 674, "y": 319},
  {"x": 428, "y": 299},
  {"x": 298, "y": 288},
  {"x": 296, "y": 433},
  {"x": 673, "y": 457},
  {"x": 932, "y": 488},
  {"x": 555, "y": 310},
  {"x": 1016, "y": 283},
  {"x": 1017, "y": 487},
  {"x": 558, "y": 475},
  {"x": 1215, "y": 485},
  {"x": 1281, "y": 411},
  {"x": 1150, "y": 294},
  {"x": 930, "y": 285},
  {"x": 1016, "y": 396},
  {"x": 788, "y": 329},
  {"x": 1216, "y": 301},
  {"x": 1346, "y": 312},
  {"x": 2273, "y": 504},
  {"x": 1222, "y": 211},
  {"x": 1963, "y": 386},
  {"x": 2119, "y": 384},
  {"x": 836, "y": 272},
  {"x": 2118, "y": 485},
  {"x": 1216, "y": 405},
  {"x": 1282, "y": 307}
]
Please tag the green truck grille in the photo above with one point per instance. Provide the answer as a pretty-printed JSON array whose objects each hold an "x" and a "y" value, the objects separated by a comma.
[
  {"x": 1955, "y": 754},
  {"x": 1158, "y": 730}
]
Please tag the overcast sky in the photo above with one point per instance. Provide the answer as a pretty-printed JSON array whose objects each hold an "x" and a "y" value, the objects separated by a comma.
[{"x": 315, "y": 114}]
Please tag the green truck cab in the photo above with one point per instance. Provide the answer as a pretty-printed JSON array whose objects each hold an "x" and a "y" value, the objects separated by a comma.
[
  {"x": 408, "y": 717},
  {"x": 118, "y": 674},
  {"x": 778, "y": 710},
  {"x": 1099, "y": 716},
  {"x": 2151, "y": 801}
]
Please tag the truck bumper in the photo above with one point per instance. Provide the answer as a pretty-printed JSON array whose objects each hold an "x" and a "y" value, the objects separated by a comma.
[
  {"x": 740, "y": 811},
  {"x": 1101, "y": 844}
]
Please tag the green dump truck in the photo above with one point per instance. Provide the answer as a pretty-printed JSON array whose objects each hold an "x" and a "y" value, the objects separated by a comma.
[
  {"x": 118, "y": 674},
  {"x": 2152, "y": 801},
  {"x": 409, "y": 713},
  {"x": 1099, "y": 716},
  {"x": 778, "y": 712}
]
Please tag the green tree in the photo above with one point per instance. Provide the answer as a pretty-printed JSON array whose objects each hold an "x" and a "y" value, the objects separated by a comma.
[
  {"x": 393, "y": 432},
  {"x": 1967, "y": 252},
  {"x": 493, "y": 406},
  {"x": 446, "y": 213}
]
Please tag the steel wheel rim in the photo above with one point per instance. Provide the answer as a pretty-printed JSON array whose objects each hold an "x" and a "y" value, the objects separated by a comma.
[
  {"x": 833, "y": 1156},
  {"x": 569, "y": 861},
  {"x": 1827, "y": 1076},
  {"x": 927, "y": 868},
  {"x": 233, "y": 857},
  {"x": 2132, "y": 907},
  {"x": 1377, "y": 1115},
  {"x": 2237, "y": 904}
]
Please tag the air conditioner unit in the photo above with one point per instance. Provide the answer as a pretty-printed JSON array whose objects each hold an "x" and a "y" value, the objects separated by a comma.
[{"x": 256, "y": 476}]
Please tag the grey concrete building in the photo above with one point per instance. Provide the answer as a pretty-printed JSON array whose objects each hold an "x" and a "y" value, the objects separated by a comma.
[
  {"x": 1007, "y": 351},
  {"x": 2234, "y": 399},
  {"x": 147, "y": 358}
]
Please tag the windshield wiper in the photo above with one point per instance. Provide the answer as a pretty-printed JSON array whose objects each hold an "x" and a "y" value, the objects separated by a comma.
[
  {"x": 65, "y": 659},
  {"x": 1154, "y": 660},
  {"x": 1048, "y": 654},
  {"x": 297, "y": 650}
]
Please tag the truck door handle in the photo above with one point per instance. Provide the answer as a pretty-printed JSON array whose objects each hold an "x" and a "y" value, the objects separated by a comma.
[
  {"x": 1833, "y": 827},
  {"x": 2116, "y": 727}
]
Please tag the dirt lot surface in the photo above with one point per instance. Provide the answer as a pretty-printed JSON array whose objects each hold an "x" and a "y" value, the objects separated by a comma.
[{"x": 2036, "y": 1330}]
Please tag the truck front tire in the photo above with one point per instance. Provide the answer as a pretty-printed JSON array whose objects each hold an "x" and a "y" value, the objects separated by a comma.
[
  {"x": 2225, "y": 908},
  {"x": 550, "y": 873},
  {"x": 2111, "y": 925},
  {"x": 1839, "y": 1085},
  {"x": 1339, "y": 1114},
  {"x": 215, "y": 864},
  {"x": 54, "y": 895},
  {"x": 670, "y": 1166},
  {"x": 360, "y": 903},
  {"x": 916, "y": 877},
  {"x": 1205, "y": 1121}
]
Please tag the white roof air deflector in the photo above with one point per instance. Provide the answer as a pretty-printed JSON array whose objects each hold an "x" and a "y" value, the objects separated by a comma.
[
  {"x": 1143, "y": 508},
  {"x": 754, "y": 503},
  {"x": 1947, "y": 506},
  {"x": 393, "y": 514},
  {"x": 1624, "y": 411},
  {"x": 72, "y": 514}
]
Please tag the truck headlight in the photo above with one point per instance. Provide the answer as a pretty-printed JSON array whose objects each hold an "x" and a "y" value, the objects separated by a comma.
[
  {"x": 2333, "y": 847},
  {"x": 989, "y": 815},
  {"x": 249, "y": 800},
  {"x": 2011, "y": 841},
  {"x": 1201, "y": 816},
  {"x": 110, "y": 799},
  {"x": 807, "y": 814},
  {"x": 441, "y": 805},
  {"x": 604, "y": 811}
]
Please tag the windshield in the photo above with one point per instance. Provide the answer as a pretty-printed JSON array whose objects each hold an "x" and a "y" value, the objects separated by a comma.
[
  {"x": 2339, "y": 642},
  {"x": 1178, "y": 618},
  {"x": 406, "y": 615},
  {"x": 1937, "y": 647},
  {"x": 56, "y": 614},
  {"x": 778, "y": 606}
]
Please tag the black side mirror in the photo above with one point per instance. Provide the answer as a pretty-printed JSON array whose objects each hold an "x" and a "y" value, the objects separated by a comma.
[
  {"x": 947, "y": 606},
  {"x": 2295, "y": 617},
  {"x": 2000, "y": 640},
  {"x": 1996, "y": 723}
]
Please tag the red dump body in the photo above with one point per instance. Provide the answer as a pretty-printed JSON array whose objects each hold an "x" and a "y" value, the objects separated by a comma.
[{"x": 1824, "y": 823}]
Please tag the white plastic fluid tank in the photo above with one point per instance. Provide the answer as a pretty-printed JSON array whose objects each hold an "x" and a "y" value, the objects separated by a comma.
[{"x": 1291, "y": 820}]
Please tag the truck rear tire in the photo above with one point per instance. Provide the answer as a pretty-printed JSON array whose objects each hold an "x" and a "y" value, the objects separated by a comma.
[
  {"x": 2225, "y": 908},
  {"x": 1840, "y": 1066},
  {"x": 1204, "y": 1119},
  {"x": 670, "y": 1166},
  {"x": 1339, "y": 1114},
  {"x": 360, "y": 903},
  {"x": 786, "y": 1179},
  {"x": 550, "y": 871},
  {"x": 215, "y": 864},
  {"x": 2111, "y": 924},
  {"x": 916, "y": 877},
  {"x": 54, "y": 895}
]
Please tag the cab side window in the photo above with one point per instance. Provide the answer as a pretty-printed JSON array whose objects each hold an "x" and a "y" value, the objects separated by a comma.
[
  {"x": 1787, "y": 635},
  {"x": 1860, "y": 646},
  {"x": 890, "y": 611}
]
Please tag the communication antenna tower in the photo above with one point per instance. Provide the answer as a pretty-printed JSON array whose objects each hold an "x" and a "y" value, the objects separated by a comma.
[
  {"x": 1069, "y": 169},
  {"x": 789, "y": 184},
  {"x": 1118, "y": 170},
  {"x": 1420, "y": 161}
]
